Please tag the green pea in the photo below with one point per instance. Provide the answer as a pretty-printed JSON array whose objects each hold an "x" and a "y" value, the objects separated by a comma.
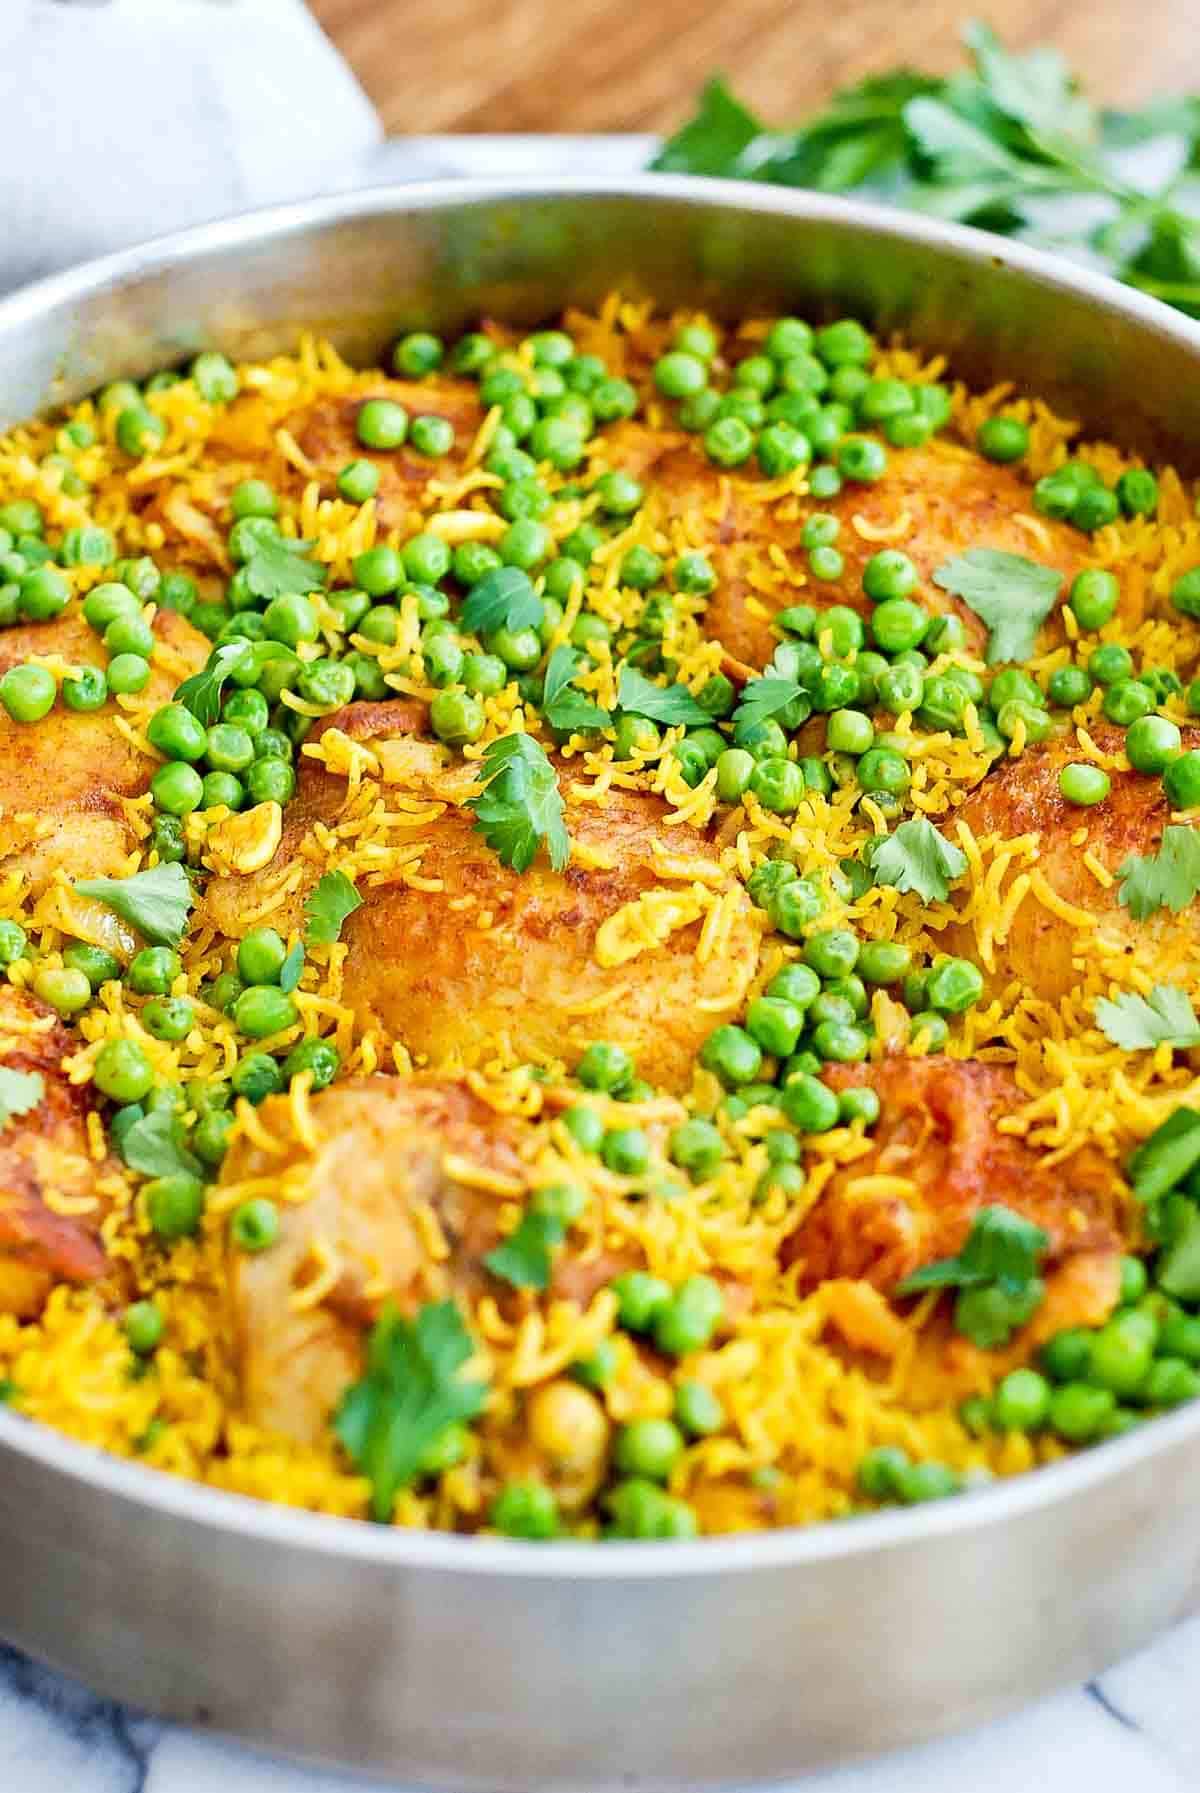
[
  {"x": 98, "y": 966},
  {"x": 1078, "y": 1412},
  {"x": 1181, "y": 779},
  {"x": 1084, "y": 784},
  {"x": 254, "y": 1226},
  {"x": 954, "y": 986},
  {"x": 381, "y": 423},
  {"x": 417, "y": 354},
  {"x": 620, "y": 494},
  {"x": 928, "y": 1481},
  {"x": 216, "y": 380},
  {"x": 862, "y": 459},
  {"x": 1021, "y": 1402},
  {"x": 604, "y": 1067},
  {"x": 65, "y": 989},
  {"x": 796, "y": 984},
  {"x": 13, "y": 942},
  {"x": 122, "y": 1071},
  {"x": 144, "y": 1327},
  {"x": 139, "y": 431},
  {"x": 778, "y": 784},
  {"x": 256, "y": 1076},
  {"x": 525, "y": 1510},
  {"x": 794, "y": 908},
  {"x": 1094, "y": 507},
  {"x": 431, "y": 436},
  {"x": 1151, "y": 743},
  {"x": 775, "y": 1024},
  {"x": 808, "y": 1103},
  {"x": 174, "y": 1205},
  {"x": 1002, "y": 439},
  {"x": 269, "y": 780},
  {"x": 832, "y": 953},
  {"x": 732, "y": 1054},
  {"x": 1170, "y": 1383},
  {"x": 28, "y": 692},
  {"x": 176, "y": 733},
  {"x": 689, "y": 1319},
  {"x": 44, "y": 593},
  {"x": 613, "y": 399},
  {"x": 1125, "y": 701},
  {"x": 640, "y": 1299},
  {"x": 168, "y": 1017},
  {"x": 291, "y": 620},
  {"x": 698, "y": 1410},
  {"x": 858, "y": 1104},
  {"x": 880, "y": 1472},
  {"x": 264, "y": 1010}
]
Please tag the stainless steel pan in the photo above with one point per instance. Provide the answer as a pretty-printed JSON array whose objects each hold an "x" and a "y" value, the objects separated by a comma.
[{"x": 488, "y": 1664}]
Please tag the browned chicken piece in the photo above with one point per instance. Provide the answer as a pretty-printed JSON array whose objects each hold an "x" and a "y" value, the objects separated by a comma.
[
  {"x": 394, "y": 1203},
  {"x": 937, "y": 1134},
  {"x": 497, "y": 953},
  {"x": 44, "y": 1155},
  {"x": 953, "y": 499},
  {"x": 61, "y": 779},
  {"x": 1021, "y": 796},
  {"x": 327, "y": 433}
]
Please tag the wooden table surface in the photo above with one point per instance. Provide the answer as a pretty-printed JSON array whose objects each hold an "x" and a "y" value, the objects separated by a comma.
[{"x": 634, "y": 65}]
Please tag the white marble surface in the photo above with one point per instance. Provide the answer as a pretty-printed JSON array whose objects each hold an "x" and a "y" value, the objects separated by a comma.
[{"x": 1133, "y": 1730}]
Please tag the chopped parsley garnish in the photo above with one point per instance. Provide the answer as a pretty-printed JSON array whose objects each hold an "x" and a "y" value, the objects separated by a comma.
[
  {"x": 502, "y": 599},
  {"x": 152, "y": 1146},
  {"x": 277, "y": 567},
  {"x": 520, "y": 805},
  {"x": 1168, "y": 879},
  {"x": 333, "y": 899},
  {"x": 201, "y": 694},
  {"x": 1009, "y": 593},
  {"x": 409, "y": 1394},
  {"x": 764, "y": 698},
  {"x": 293, "y": 965},
  {"x": 995, "y": 1274},
  {"x": 915, "y": 856},
  {"x": 668, "y": 704},
  {"x": 564, "y": 707},
  {"x": 20, "y": 1092},
  {"x": 1139, "y": 1023},
  {"x": 157, "y": 903},
  {"x": 523, "y": 1258}
]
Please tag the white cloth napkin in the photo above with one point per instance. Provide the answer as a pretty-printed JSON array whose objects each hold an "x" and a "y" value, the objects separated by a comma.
[{"x": 120, "y": 119}]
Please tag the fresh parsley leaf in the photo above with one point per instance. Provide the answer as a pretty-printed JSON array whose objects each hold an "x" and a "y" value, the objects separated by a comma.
[
  {"x": 157, "y": 903},
  {"x": 1139, "y": 1023},
  {"x": 520, "y": 804},
  {"x": 278, "y": 567},
  {"x": 915, "y": 856},
  {"x": 1011, "y": 594},
  {"x": 1002, "y": 1247},
  {"x": 723, "y": 139},
  {"x": 766, "y": 697},
  {"x": 563, "y": 707},
  {"x": 201, "y": 694},
  {"x": 996, "y": 1274},
  {"x": 502, "y": 599},
  {"x": 332, "y": 901},
  {"x": 668, "y": 704},
  {"x": 152, "y": 1146},
  {"x": 293, "y": 965},
  {"x": 20, "y": 1093},
  {"x": 523, "y": 1258},
  {"x": 409, "y": 1394},
  {"x": 1168, "y": 879}
]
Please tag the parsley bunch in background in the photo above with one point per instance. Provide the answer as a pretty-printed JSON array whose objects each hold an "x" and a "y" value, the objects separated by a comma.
[{"x": 1011, "y": 145}]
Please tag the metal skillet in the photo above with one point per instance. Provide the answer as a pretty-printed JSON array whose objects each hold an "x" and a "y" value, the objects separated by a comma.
[{"x": 482, "y": 1663}]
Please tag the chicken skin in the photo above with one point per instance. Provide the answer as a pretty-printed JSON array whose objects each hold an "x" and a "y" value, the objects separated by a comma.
[
  {"x": 44, "y": 1158},
  {"x": 394, "y": 1199},
  {"x": 1021, "y": 796},
  {"x": 479, "y": 952},
  {"x": 938, "y": 1132},
  {"x": 953, "y": 500},
  {"x": 62, "y": 779}
]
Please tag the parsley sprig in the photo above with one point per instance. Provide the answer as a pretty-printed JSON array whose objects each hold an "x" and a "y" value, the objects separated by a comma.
[
  {"x": 1012, "y": 144},
  {"x": 502, "y": 599},
  {"x": 520, "y": 806},
  {"x": 669, "y": 704},
  {"x": 409, "y": 1394},
  {"x": 278, "y": 567},
  {"x": 564, "y": 707},
  {"x": 995, "y": 1274}
]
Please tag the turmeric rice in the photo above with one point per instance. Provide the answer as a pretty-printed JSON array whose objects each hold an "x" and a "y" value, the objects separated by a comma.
[{"x": 598, "y": 928}]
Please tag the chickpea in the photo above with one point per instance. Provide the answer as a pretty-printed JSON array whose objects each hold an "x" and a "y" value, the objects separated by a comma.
[{"x": 567, "y": 1423}]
